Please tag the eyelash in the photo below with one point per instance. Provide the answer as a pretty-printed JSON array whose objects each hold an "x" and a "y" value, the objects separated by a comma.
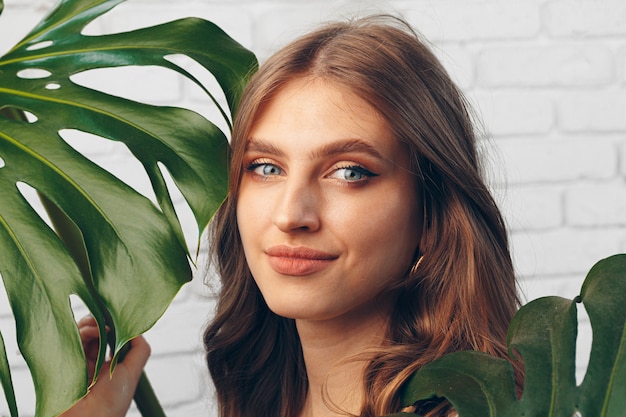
[
  {"x": 252, "y": 166},
  {"x": 359, "y": 169},
  {"x": 366, "y": 173}
]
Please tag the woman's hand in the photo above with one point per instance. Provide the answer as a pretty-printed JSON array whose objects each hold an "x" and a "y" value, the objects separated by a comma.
[{"x": 109, "y": 397}]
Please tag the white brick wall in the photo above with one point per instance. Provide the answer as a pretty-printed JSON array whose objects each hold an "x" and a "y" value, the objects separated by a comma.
[{"x": 548, "y": 78}]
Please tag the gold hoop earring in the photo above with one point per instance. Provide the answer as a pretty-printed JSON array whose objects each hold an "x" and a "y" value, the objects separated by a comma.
[{"x": 416, "y": 265}]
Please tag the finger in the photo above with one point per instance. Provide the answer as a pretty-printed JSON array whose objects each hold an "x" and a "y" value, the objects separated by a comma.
[
  {"x": 89, "y": 332},
  {"x": 136, "y": 358},
  {"x": 90, "y": 338},
  {"x": 87, "y": 320}
]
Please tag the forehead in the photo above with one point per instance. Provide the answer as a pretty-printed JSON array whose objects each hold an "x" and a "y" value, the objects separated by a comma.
[{"x": 308, "y": 110}]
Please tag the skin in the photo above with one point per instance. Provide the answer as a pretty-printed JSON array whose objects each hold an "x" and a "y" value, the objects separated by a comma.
[
  {"x": 328, "y": 213},
  {"x": 109, "y": 397}
]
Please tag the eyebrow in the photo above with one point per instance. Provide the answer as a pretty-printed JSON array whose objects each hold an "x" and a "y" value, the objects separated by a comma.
[
  {"x": 262, "y": 146},
  {"x": 338, "y": 147}
]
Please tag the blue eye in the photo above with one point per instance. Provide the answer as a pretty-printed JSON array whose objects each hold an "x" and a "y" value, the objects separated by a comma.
[
  {"x": 265, "y": 169},
  {"x": 352, "y": 173}
]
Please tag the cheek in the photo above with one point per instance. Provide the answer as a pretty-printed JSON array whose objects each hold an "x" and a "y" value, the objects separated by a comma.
[
  {"x": 395, "y": 231},
  {"x": 253, "y": 212},
  {"x": 244, "y": 216},
  {"x": 246, "y": 231}
]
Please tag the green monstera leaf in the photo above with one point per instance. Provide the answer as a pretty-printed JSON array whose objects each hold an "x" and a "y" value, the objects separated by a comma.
[
  {"x": 544, "y": 333},
  {"x": 135, "y": 255}
]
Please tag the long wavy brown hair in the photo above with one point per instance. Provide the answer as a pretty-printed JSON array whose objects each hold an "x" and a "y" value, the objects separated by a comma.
[{"x": 463, "y": 294}]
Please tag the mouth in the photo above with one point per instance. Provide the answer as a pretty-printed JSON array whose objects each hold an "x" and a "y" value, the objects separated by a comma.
[{"x": 299, "y": 261}]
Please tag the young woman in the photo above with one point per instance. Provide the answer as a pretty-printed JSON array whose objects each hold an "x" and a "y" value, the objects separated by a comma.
[{"x": 358, "y": 241}]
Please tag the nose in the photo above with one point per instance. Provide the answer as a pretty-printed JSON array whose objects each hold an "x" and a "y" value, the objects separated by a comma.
[{"x": 297, "y": 207}]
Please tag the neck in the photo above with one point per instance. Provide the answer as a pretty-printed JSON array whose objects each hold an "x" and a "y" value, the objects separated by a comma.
[{"x": 335, "y": 381}]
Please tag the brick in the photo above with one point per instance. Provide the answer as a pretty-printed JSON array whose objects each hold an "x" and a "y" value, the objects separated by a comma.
[
  {"x": 623, "y": 158},
  {"x": 202, "y": 407},
  {"x": 458, "y": 61},
  {"x": 514, "y": 113},
  {"x": 178, "y": 379},
  {"x": 563, "y": 251},
  {"x": 88, "y": 144},
  {"x": 205, "y": 408},
  {"x": 621, "y": 65},
  {"x": 600, "y": 111},
  {"x": 535, "y": 207},
  {"x": 16, "y": 23},
  {"x": 545, "y": 66},
  {"x": 180, "y": 329},
  {"x": 444, "y": 21},
  {"x": 271, "y": 32},
  {"x": 234, "y": 20},
  {"x": 558, "y": 160},
  {"x": 596, "y": 204},
  {"x": 561, "y": 286},
  {"x": 24, "y": 394},
  {"x": 585, "y": 18},
  {"x": 472, "y": 20},
  {"x": 147, "y": 84}
]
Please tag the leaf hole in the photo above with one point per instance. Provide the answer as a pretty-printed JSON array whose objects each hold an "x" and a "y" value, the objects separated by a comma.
[
  {"x": 195, "y": 97},
  {"x": 34, "y": 73},
  {"x": 16, "y": 113},
  {"x": 114, "y": 157},
  {"x": 53, "y": 86},
  {"x": 183, "y": 211},
  {"x": 30, "y": 117},
  {"x": 39, "y": 45},
  {"x": 117, "y": 19},
  {"x": 2, "y": 163},
  {"x": 32, "y": 198},
  {"x": 79, "y": 308},
  {"x": 145, "y": 84},
  {"x": 17, "y": 364},
  {"x": 583, "y": 342}
]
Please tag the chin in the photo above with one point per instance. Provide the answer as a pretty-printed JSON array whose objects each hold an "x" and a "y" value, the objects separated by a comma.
[{"x": 299, "y": 312}]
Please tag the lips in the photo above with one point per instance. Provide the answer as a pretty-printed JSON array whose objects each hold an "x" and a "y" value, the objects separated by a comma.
[{"x": 299, "y": 261}]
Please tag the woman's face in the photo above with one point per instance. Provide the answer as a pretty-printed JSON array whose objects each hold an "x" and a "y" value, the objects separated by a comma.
[{"x": 327, "y": 210}]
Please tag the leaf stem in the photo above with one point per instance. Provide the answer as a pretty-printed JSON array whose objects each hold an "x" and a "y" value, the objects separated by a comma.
[{"x": 146, "y": 400}]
